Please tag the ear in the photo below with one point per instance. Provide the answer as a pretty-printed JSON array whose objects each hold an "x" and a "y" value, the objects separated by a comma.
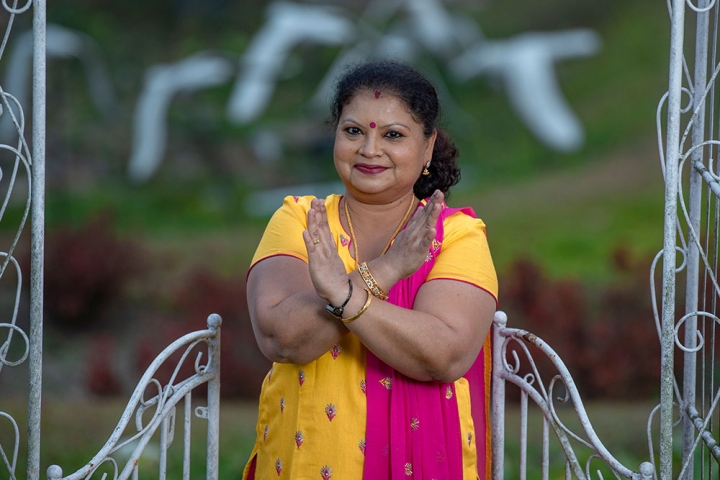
[{"x": 429, "y": 146}]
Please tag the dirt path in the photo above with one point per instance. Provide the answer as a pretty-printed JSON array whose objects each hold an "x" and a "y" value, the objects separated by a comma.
[{"x": 633, "y": 169}]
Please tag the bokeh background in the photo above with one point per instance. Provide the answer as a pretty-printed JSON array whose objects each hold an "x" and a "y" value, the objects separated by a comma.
[{"x": 133, "y": 264}]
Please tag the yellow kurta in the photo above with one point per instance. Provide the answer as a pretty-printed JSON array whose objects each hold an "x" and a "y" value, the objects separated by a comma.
[{"x": 311, "y": 419}]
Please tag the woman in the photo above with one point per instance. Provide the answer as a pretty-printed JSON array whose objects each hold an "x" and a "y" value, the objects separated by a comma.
[{"x": 375, "y": 305}]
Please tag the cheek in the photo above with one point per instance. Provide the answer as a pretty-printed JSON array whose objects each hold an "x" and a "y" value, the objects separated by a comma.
[{"x": 342, "y": 149}]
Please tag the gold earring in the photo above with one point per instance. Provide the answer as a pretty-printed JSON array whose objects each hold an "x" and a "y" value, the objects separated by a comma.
[{"x": 425, "y": 171}]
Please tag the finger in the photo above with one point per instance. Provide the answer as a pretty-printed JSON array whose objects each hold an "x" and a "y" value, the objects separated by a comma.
[
  {"x": 436, "y": 199},
  {"x": 325, "y": 235},
  {"x": 310, "y": 245},
  {"x": 313, "y": 228},
  {"x": 323, "y": 223},
  {"x": 434, "y": 214}
]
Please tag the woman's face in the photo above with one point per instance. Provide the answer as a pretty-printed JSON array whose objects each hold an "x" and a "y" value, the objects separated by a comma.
[{"x": 380, "y": 149}]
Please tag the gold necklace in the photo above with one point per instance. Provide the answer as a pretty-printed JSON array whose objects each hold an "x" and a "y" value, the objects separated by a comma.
[{"x": 397, "y": 230}]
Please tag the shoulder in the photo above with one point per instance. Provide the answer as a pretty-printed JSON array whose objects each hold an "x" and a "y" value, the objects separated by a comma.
[
  {"x": 464, "y": 253},
  {"x": 462, "y": 222},
  {"x": 302, "y": 203},
  {"x": 298, "y": 206}
]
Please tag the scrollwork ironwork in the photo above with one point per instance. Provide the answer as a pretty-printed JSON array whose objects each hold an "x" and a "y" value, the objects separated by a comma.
[
  {"x": 509, "y": 342},
  {"x": 162, "y": 403}
]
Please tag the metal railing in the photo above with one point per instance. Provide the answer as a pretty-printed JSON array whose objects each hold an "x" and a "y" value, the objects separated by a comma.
[
  {"x": 689, "y": 393},
  {"x": 163, "y": 405},
  {"x": 22, "y": 164},
  {"x": 514, "y": 363},
  {"x": 22, "y": 180}
]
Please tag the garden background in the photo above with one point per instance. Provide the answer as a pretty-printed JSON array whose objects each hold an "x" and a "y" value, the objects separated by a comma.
[{"x": 130, "y": 267}]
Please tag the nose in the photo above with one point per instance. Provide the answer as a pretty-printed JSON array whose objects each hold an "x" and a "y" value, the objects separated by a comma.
[{"x": 370, "y": 146}]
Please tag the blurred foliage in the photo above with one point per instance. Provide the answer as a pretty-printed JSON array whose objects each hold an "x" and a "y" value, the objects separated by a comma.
[
  {"x": 612, "y": 353},
  {"x": 209, "y": 169},
  {"x": 87, "y": 270},
  {"x": 192, "y": 212}
]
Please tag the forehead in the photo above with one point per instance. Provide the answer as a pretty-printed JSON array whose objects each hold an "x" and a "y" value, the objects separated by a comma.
[{"x": 368, "y": 102}]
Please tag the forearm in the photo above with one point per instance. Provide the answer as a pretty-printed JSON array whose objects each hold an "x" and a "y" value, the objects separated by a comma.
[
  {"x": 296, "y": 330},
  {"x": 438, "y": 339},
  {"x": 382, "y": 271},
  {"x": 414, "y": 343}
]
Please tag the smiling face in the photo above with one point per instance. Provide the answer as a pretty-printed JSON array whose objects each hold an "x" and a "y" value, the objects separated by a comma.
[{"x": 380, "y": 149}]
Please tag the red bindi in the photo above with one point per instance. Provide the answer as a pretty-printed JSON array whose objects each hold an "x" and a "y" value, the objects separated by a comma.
[
  {"x": 372, "y": 124},
  {"x": 377, "y": 93}
]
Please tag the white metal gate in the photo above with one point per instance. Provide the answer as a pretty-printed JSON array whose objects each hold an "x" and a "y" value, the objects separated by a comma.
[
  {"x": 688, "y": 414},
  {"x": 688, "y": 408},
  {"x": 152, "y": 409},
  {"x": 26, "y": 164}
]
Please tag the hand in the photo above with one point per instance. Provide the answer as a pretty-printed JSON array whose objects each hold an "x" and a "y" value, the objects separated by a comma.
[
  {"x": 410, "y": 248},
  {"x": 327, "y": 270}
]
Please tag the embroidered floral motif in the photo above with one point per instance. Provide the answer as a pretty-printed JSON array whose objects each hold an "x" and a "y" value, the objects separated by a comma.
[
  {"x": 429, "y": 257},
  {"x": 344, "y": 241},
  {"x": 363, "y": 386},
  {"x": 335, "y": 351},
  {"x": 469, "y": 438},
  {"x": 299, "y": 437},
  {"x": 282, "y": 404},
  {"x": 326, "y": 472},
  {"x": 278, "y": 466},
  {"x": 436, "y": 245},
  {"x": 265, "y": 433},
  {"x": 362, "y": 446},
  {"x": 330, "y": 411},
  {"x": 301, "y": 377},
  {"x": 439, "y": 456},
  {"x": 414, "y": 423},
  {"x": 408, "y": 469},
  {"x": 448, "y": 393},
  {"x": 386, "y": 382},
  {"x": 386, "y": 451}
]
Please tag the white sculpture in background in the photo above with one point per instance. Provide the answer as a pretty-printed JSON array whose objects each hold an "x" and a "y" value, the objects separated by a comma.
[
  {"x": 262, "y": 63},
  {"x": 524, "y": 64},
  {"x": 162, "y": 83},
  {"x": 61, "y": 43}
]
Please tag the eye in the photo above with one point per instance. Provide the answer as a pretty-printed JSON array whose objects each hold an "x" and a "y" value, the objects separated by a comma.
[
  {"x": 353, "y": 131},
  {"x": 394, "y": 134}
]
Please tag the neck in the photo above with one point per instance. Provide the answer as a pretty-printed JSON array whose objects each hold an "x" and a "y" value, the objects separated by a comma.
[
  {"x": 382, "y": 211},
  {"x": 373, "y": 226}
]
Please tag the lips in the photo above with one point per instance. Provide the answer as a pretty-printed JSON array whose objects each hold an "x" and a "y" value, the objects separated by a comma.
[{"x": 370, "y": 169}]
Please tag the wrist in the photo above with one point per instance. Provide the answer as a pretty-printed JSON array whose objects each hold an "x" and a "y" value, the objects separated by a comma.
[
  {"x": 336, "y": 307},
  {"x": 372, "y": 285},
  {"x": 384, "y": 271}
]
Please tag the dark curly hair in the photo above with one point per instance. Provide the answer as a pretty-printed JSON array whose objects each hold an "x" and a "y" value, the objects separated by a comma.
[{"x": 420, "y": 97}]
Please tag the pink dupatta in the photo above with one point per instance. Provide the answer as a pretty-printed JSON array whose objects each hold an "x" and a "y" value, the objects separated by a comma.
[{"x": 413, "y": 427}]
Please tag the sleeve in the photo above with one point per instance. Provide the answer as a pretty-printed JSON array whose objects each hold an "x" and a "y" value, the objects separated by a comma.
[
  {"x": 283, "y": 235},
  {"x": 465, "y": 254}
]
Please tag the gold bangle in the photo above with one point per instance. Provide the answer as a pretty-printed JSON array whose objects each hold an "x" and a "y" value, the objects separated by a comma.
[
  {"x": 371, "y": 283},
  {"x": 362, "y": 310}
]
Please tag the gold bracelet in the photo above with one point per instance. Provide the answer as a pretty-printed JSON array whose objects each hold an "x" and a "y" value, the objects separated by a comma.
[
  {"x": 371, "y": 283},
  {"x": 362, "y": 310}
]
